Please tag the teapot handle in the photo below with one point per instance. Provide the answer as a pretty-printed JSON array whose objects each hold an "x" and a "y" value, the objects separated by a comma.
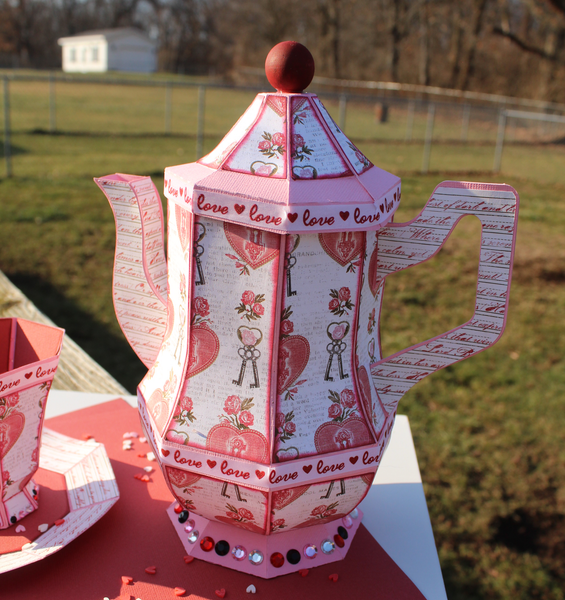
[{"x": 403, "y": 245}]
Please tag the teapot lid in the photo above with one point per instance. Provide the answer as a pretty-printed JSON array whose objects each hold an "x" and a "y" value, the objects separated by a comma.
[{"x": 286, "y": 166}]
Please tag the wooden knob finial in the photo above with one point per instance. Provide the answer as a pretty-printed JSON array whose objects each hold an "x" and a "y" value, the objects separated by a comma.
[{"x": 289, "y": 67}]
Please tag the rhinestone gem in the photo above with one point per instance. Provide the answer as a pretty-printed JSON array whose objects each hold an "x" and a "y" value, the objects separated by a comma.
[
  {"x": 178, "y": 508},
  {"x": 354, "y": 513},
  {"x": 222, "y": 548},
  {"x": 255, "y": 557},
  {"x": 239, "y": 552},
  {"x": 343, "y": 532},
  {"x": 347, "y": 521},
  {"x": 293, "y": 556},
  {"x": 207, "y": 544},
  {"x": 190, "y": 525},
  {"x": 277, "y": 560},
  {"x": 193, "y": 536},
  {"x": 310, "y": 551},
  {"x": 327, "y": 546},
  {"x": 183, "y": 516},
  {"x": 339, "y": 541}
]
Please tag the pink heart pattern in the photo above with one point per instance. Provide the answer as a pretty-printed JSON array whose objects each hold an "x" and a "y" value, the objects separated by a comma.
[
  {"x": 247, "y": 443},
  {"x": 294, "y": 353},
  {"x": 335, "y": 436},
  {"x": 10, "y": 430},
  {"x": 254, "y": 246},
  {"x": 204, "y": 349},
  {"x": 343, "y": 246}
]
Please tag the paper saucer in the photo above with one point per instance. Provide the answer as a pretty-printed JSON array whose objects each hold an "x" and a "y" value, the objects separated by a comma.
[{"x": 91, "y": 492}]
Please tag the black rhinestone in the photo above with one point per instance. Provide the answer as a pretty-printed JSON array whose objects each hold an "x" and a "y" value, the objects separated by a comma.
[
  {"x": 343, "y": 532},
  {"x": 13, "y": 520},
  {"x": 222, "y": 548},
  {"x": 34, "y": 492},
  {"x": 183, "y": 516},
  {"x": 293, "y": 557}
]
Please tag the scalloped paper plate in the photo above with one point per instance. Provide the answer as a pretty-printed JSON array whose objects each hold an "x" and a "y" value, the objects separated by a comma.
[{"x": 91, "y": 492}]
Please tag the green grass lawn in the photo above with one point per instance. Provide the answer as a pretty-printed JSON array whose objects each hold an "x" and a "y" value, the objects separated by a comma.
[{"x": 488, "y": 431}]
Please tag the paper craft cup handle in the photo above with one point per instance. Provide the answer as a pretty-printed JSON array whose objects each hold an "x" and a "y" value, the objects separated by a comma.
[{"x": 404, "y": 245}]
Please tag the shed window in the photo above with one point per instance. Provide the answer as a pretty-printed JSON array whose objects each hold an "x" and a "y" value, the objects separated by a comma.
[
  {"x": 95, "y": 54},
  {"x": 73, "y": 54}
]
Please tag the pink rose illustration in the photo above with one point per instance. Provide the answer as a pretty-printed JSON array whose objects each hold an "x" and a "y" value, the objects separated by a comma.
[
  {"x": 6, "y": 476},
  {"x": 290, "y": 427},
  {"x": 278, "y": 139},
  {"x": 264, "y": 145},
  {"x": 279, "y": 420},
  {"x": 334, "y": 410},
  {"x": 248, "y": 337},
  {"x": 264, "y": 170},
  {"x": 339, "y": 332},
  {"x": 297, "y": 140},
  {"x": 201, "y": 307},
  {"x": 12, "y": 400},
  {"x": 232, "y": 405},
  {"x": 287, "y": 327},
  {"x": 186, "y": 403},
  {"x": 344, "y": 294},
  {"x": 347, "y": 398},
  {"x": 334, "y": 304},
  {"x": 246, "y": 514},
  {"x": 319, "y": 510},
  {"x": 232, "y": 515},
  {"x": 258, "y": 309},
  {"x": 248, "y": 297},
  {"x": 278, "y": 523},
  {"x": 3, "y": 409},
  {"x": 246, "y": 418}
]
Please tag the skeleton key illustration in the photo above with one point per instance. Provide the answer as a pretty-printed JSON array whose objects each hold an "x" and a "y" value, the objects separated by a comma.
[
  {"x": 249, "y": 338},
  {"x": 200, "y": 232},
  {"x": 327, "y": 495},
  {"x": 237, "y": 492},
  {"x": 336, "y": 332},
  {"x": 290, "y": 260}
]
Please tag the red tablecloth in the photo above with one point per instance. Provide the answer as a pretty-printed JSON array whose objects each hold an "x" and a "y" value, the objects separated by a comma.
[{"x": 137, "y": 534}]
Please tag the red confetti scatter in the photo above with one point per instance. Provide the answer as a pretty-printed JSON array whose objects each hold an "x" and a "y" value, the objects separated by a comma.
[
  {"x": 142, "y": 455},
  {"x": 188, "y": 559},
  {"x": 221, "y": 593},
  {"x": 145, "y": 478},
  {"x": 87, "y": 436},
  {"x": 179, "y": 591},
  {"x": 304, "y": 572},
  {"x": 127, "y": 580},
  {"x": 333, "y": 577},
  {"x": 59, "y": 521},
  {"x": 151, "y": 570}
]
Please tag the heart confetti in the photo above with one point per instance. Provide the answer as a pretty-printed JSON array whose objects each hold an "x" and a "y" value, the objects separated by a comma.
[
  {"x": 148, "y": 469},
  {"x": 127, "y": 580},
  {"x": 20, "y": 528},
  {"x": 333, "y": 577},
  {"x": 43, "y": 527},
  {"x": 59, "y": 522},
  {"x": 221, "y": 593},
  {"x": 150, "y": 456},
  {"x": 179, "y": 591},
  {"x": 151, "y": 570},
  {"x": 188, "y": 559},
  {"x": 304, "y": 572},
  {"x": 251, "y": 589}
]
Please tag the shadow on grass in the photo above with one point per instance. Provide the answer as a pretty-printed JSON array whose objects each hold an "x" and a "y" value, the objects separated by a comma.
[
  {"x": 14, "y": 150},
  {"x": 109, "y": 350}
]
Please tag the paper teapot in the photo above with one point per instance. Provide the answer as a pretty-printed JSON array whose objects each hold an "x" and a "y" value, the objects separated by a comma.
[{"x": 267, "y": 401}]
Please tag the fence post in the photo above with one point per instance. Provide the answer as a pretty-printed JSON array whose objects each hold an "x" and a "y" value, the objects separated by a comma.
[
  {"x": 200, "y": 125},
  {"x": 7, "y": 148},
  {"x": 52, "y": 113},
  {"x": 342, "y": 111},
  {"x": 410, "y": 121},
  {"x": 168, "y": 106},
  {"x": 499, "y": 141},
  {"x": 465, "y": 122},
  {"x": 428, "y": 139}
]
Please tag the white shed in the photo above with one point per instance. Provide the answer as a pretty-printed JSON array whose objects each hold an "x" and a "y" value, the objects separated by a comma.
[{"x": 123, "y": 49}]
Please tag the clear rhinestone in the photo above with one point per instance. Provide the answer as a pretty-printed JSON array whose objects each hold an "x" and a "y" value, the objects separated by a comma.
[
  {"x": 239, "y": 552},
  {"x": 255, "y": 557},
  {"x": 327, "y": 546},
  {"x": 310, "y": 551},
  {"x": 354, "y": 513},
  {"x": 190, "y": 525},
  {"x": 347, "y": 521},
  {"x": 193, "y": 536}
]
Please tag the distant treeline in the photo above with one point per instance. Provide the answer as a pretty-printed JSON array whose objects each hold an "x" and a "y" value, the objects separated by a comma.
[{"x": 513, "y": 47}]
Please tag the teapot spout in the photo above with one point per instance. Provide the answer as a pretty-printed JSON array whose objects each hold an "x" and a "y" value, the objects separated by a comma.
[{"x": 140, "y": 266}]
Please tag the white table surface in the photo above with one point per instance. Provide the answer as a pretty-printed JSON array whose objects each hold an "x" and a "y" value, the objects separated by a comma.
[{"x": 396, "y": 513}]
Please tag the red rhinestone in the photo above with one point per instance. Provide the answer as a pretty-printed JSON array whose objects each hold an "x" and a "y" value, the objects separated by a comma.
[
  {"x": 207, "y": 544},
  {"x": 277, "y": 560},
  {"x": 339, "y": 541},
  {"x": 178, "y": 508}
]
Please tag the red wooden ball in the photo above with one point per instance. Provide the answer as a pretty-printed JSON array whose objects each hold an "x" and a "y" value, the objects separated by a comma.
[{"x": 289, "y": 67}]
